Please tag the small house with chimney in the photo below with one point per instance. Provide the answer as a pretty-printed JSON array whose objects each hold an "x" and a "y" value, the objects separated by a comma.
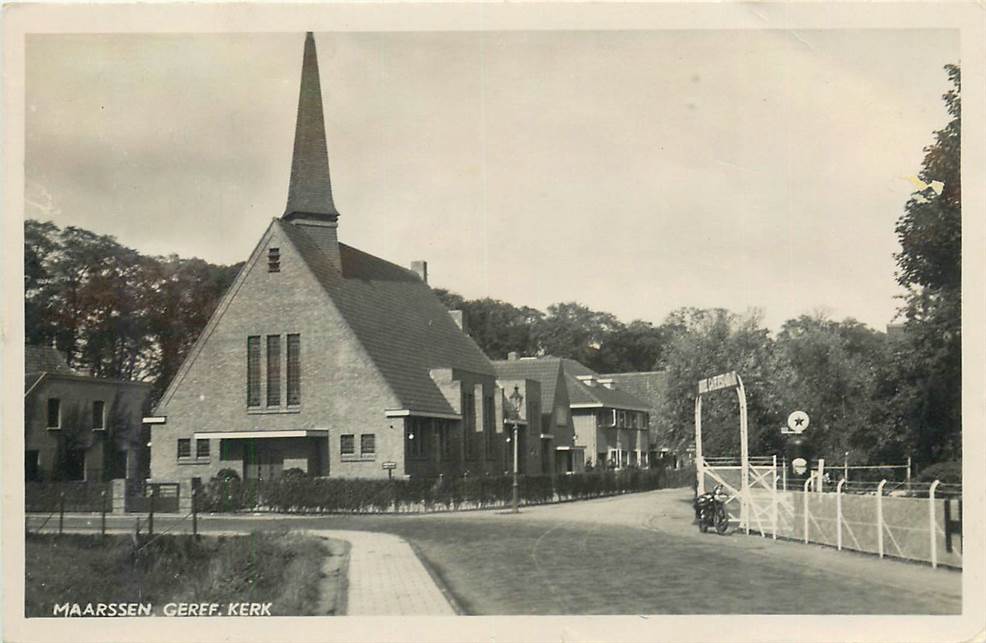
[
  {"x": 587, "y": 418},
  {"x": 325, "y": 358}
]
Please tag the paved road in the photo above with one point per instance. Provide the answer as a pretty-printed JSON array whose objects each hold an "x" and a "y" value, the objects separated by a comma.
[
  {"x": 669, "y": 511},
  {"x": 734, "y": 573}
]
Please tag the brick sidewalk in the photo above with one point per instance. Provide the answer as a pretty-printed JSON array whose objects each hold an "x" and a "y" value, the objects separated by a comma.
[{"x": 387, "y": 578}]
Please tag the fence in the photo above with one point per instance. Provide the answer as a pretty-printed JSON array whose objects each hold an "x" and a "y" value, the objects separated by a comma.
[{"x": 916, "y": 521}]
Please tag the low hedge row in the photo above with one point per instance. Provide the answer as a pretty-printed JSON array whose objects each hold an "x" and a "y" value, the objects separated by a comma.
[{"x": 303, "y": 494}]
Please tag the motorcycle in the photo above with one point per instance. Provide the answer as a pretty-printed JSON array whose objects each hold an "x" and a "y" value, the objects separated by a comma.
[{"x": 710, "y": 510}]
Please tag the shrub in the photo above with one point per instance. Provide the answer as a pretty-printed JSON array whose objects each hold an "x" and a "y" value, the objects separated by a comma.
[
  {"x": 297, "y": 492},
  {"x": 947, "y": 472}
]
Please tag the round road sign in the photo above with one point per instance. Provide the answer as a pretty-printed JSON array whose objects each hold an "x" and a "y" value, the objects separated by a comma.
[{"x": 798, "y": 421}]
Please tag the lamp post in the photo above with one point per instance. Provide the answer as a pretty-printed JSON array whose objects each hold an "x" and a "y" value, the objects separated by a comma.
[{"x": 516, "y": 399}]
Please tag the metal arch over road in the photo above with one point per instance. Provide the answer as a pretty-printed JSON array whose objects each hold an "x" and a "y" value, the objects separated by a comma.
[{"x": 765, "y": 470}]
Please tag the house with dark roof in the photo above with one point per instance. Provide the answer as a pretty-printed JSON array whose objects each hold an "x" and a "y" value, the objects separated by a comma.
[
  {"x": 587, "y": 417},
  {"x": 324, "y": 358},
  {"x": 650, "y": 386},
  {"x": 79, "y": 427}
]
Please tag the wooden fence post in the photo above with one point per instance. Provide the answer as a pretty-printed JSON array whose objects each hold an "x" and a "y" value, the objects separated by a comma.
[
  {"x": 102, "y": 514},
  {"x": 61, "y": 511},
  {"x": 879, "y": 516},
  {"x": 838, "y": 514},
  {"x": 195, "y": 515},
  {"x": 932, "y": 526},
  {"x": 805, "y": 495},
  {"x": 774, "y": 506},
  {"x": 150, "y": 515}
]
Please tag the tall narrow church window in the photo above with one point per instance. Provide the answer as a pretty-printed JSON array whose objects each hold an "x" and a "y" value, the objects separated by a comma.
[
  {"x": 253, "y": 370},
  {"x": 273, "y": 370},
  {"x": 273, "y": 260},
  {"x": 294, "y": 369}
]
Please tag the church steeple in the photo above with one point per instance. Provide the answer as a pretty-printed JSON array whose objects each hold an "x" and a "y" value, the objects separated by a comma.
[{"x": 310, "y": 190}]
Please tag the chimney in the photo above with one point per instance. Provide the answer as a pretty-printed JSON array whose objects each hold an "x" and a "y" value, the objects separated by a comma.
[
  {"x": 460, "y": 320},
  {"x": 420, "y": 267},
  {"x": 513, "y": 356}
]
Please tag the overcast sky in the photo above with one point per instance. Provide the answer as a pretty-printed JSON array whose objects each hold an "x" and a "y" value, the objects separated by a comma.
[{"x": 635, "y": 172}]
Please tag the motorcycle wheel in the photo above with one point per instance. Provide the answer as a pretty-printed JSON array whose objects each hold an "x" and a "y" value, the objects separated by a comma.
[
  {"x": 722, "y": 521},
  {"x": 703, "y": 523}
]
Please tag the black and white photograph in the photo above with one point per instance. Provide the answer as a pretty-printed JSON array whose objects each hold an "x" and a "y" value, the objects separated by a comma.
[{"x": 539, "y": 311}]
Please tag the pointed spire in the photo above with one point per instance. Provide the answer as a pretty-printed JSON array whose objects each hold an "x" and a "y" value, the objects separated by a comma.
[{"x": 310, "y": 191}]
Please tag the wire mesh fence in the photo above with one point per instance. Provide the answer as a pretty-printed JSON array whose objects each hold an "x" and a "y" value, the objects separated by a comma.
[{"x": 908, "y": 526}]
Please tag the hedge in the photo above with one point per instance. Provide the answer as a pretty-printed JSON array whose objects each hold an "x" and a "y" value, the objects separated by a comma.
[{"x": 303, "y": 494}]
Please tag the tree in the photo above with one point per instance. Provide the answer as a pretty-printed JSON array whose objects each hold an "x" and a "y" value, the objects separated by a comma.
[
  {"x": 496, "y": 326},
  {"x": 110, "y": 309},
  {"x": 577, "y": 332},
  {"x": 832, "y": 370},
  {"x": 706, "y": 343},
  {"x": 929, "y": 400}
]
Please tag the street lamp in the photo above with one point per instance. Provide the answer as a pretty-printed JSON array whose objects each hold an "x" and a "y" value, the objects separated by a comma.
[{"x": 516, "y": 399}]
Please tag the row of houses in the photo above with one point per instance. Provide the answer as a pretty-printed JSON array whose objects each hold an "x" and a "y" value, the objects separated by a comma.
[{"x": 325, "y": 358}]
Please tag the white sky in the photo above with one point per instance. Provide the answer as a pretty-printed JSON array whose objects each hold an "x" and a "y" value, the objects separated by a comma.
[{"x": 635, "y": 172}]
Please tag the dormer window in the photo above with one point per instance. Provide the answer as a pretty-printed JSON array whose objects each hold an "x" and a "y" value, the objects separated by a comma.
[{"x": 273, "y": 260}]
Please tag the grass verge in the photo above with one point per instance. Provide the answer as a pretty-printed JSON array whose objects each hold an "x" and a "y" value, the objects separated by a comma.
[{"x": 280, "y": 568}]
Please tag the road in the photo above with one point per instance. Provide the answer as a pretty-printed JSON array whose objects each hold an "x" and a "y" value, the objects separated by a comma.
[{"x": 632, "y": 554}]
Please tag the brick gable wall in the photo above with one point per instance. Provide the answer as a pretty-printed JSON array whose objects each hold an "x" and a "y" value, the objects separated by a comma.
[{"x": 341, "y": 389}]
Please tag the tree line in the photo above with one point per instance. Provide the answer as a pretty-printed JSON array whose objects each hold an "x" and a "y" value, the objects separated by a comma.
[{"x": 879, "y": 396}]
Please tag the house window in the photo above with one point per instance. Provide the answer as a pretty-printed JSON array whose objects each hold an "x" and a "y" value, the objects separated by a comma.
[
  {"x": 99, "y": 415},
  {"x": 294, "y": 369},
  {"x": 253, "y": 370},
  {"x": 368, "y": 444},
  {"x": 54, "y": 413},
  {"x": 202, "y": 448},
  {"x": 347, "y": 444},
  {"x": 273, "y": 370},
  {"x": 273, "y": 260},
  {"x": 489, "y": 428},
  {"x": 184, "y": 447},
  {"x": 469, "y": 424}
]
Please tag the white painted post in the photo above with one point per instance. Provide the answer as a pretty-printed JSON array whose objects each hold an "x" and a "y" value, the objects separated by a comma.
[
  {"x": 774, "y": 506},
  {"x": 879, "y": 516},
  {"x": 838, "y": 514},
  {"x": 784, "y": 474},
  {"x": 805, "y": 496},
  {"x": 820, "y": 482},
  {"x": 744, "y": 456},
  {"x": 699, "y": 458},
  {"x": 932, "y": 527}
]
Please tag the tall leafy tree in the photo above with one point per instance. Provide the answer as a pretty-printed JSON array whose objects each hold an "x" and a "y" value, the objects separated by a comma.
[
  {"x": 707, "y": 342},
  {"x": 929, "y": 401}
]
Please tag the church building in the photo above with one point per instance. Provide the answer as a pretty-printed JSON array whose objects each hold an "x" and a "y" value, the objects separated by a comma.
[{"x": 324, "y": 358}]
